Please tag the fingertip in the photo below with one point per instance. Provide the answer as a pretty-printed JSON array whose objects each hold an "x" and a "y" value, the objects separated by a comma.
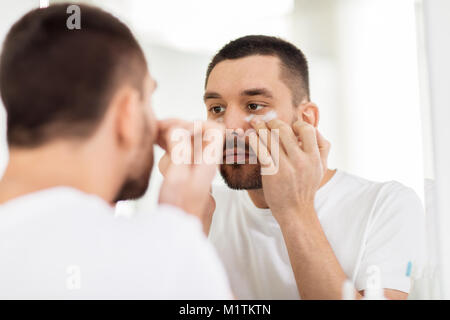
[
  {"x": 274, "y": 123},
  {"x": 256, "y": 122}
]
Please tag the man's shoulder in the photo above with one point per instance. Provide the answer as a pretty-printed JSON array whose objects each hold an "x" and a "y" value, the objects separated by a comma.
[
  {"x": 58, "y": 205},
  {"x": 384, "y": 196},
  {"x": 355, "y": 181},
  {"x": 359, "y": 184}
]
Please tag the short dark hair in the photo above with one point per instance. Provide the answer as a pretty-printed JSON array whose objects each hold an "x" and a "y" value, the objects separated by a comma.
[
  {"x": 294, "y": 66},
  {"x": 56, "y": 82}
]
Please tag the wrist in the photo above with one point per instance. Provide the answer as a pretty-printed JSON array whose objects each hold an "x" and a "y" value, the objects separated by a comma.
[{"x": 296, "y": 216}]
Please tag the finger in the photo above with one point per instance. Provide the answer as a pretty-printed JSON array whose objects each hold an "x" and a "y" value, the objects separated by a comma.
[
  {"x": 163, "y": 164},
  {"x": 287, "y": 137},
  {"x": 262, "y": 131},
  {"x": 166, "y": 124},
  {"x": 260, "y": 149},
  {"x": 324, "y": 149},
  {"x": 204, "y": 172},
  {"x": 167, "y": 138},
  {"x": 166, "y": 128},
  {"x": 179, "y": 169},
  {"x": 177, "y": 174},
  {"x": 197, "y": 146},
  {"x": 213, "y": 136},
  {"x": 213, "y": 145},
  {"x": 210, "y": 124},
  {"x": 203, "y": 175},
  {"x": 208, "y": 136},
  {"x": 324, "y": 144},
  {"x": 307, "y": 135}
]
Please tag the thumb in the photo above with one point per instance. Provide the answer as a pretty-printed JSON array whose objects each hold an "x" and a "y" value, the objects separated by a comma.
[
  {"x": 324, "y": 149},
  {"x": 324, "y": 144},
  {"x": 164, "y": 163}
]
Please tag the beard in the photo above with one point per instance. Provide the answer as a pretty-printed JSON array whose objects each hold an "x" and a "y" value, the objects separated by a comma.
[
  {"x": 135, "y": 187},
  {"x": 136, "y": 184},
  {"x": 242, "y": 176}
]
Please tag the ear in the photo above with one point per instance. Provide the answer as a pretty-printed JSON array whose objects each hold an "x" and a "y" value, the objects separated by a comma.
[
  {"x": 127, "y": 117},
  {"x": 309, "y": 112}
]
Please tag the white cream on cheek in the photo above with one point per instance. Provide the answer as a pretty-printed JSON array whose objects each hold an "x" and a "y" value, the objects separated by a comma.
[
  {"x": 249, "y": 118},
  {"x": 267, "y": 117}
]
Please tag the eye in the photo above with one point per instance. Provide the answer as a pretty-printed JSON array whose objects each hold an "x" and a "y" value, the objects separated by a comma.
[
  {"x": 255, "y": 106},
  {"x": 217, "y": 109}
]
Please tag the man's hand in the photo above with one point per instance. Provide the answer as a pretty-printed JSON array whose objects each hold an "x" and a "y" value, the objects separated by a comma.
[
  {"x": 301, "y": 162},
  {"x": 188, "y": 186}
]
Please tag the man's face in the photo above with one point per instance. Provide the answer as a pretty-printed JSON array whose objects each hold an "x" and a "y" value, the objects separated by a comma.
[
  {"x": 239, "y": 88},
  {"x": 138, "y": 179}
]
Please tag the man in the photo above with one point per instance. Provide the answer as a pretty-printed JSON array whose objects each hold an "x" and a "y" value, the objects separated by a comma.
[
  {"x": 81, "y": 132},
  {"x": 304, "y": 230}
]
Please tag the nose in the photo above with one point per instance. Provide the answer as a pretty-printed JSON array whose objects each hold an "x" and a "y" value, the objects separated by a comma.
[{"x": 234, "y": 118}]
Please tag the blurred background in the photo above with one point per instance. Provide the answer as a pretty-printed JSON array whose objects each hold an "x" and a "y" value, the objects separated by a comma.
[{"x": 363, "y": 62}]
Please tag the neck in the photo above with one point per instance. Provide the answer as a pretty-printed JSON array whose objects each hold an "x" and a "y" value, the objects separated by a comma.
[
  {"x": 57, "y": 164},
  {"x": 259, "y": 201}
]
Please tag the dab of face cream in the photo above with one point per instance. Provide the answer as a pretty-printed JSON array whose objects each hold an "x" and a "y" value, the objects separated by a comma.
[
  {"x": 249, "y": 118},
  {"x": 267, "y": 117}
]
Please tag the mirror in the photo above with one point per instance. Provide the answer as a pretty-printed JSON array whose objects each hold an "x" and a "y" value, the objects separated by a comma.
[{"x": 371, "y": 65}]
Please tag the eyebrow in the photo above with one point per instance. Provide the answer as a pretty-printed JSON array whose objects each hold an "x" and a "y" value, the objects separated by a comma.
[
  {"x": 211, "y": 95},
  {"x": 257, "y": 92},
  {"x": 249, "y": 92}
]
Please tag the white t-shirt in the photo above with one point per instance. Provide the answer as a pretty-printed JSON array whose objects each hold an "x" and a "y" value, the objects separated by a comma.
[
  {"x": 366, "y": 223},
  {"x": 60, "y": 243}
]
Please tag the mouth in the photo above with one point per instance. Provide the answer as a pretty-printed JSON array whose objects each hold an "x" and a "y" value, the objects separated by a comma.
[{"x": 236, "y": 156}]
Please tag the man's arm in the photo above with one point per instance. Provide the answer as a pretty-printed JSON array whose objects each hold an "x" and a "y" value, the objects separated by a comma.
[
  {"x": 165, "y": 128},
  {"x": 301, "y": 168},
  {"x": 317, "y": 271},
  {"x": 206, "y": 217}
]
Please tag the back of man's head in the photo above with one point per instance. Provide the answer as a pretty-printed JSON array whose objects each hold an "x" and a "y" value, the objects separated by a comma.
[{"x": 56, "y": 82}]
